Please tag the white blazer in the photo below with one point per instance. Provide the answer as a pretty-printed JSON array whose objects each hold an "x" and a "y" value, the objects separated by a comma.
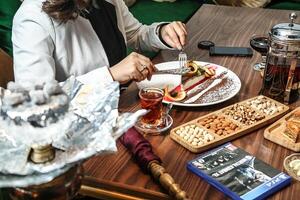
[{"x": 46, "y": 49}]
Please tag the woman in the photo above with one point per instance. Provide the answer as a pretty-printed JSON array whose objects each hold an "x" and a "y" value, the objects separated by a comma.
[{"x": 53, "y": 39}]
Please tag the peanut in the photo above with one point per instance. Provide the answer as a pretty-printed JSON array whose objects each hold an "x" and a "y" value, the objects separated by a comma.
[{"x": 194, "y": 135}]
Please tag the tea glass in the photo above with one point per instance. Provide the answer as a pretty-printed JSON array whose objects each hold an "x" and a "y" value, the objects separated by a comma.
[{"x": 151, "y": 100}]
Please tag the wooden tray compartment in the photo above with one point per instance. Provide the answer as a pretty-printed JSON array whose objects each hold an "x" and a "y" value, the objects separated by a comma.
[
  {"x": 245, "y": 122},
  {"x": 190, "y": 144},
  {"x": 274, "y": 133}
]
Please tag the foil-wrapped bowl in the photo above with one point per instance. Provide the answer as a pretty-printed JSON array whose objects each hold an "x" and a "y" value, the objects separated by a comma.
[{"x": 90, "y": 127}]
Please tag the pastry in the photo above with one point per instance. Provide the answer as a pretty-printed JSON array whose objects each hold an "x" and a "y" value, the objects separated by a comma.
[
  {"x": 296, "y": 114},
  {"x": 292, "y": 131},
  {"x": 296, "y": 117}
]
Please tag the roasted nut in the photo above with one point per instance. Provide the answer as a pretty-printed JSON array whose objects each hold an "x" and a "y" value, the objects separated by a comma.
[
  {"x": 194, "y": 135},
  {"x": 218, "y": 125},
  {"x": 265, "y": 105},
  {"x": 243, "y": 114}
]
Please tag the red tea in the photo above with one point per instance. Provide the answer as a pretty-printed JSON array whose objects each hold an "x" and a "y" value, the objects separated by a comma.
[
  {"x": 275, "y": 82},
  {"x": 151, "y": 99}
]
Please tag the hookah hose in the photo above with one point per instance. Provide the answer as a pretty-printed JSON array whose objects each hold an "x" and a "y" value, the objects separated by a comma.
[{"x": 150, "y": 163}]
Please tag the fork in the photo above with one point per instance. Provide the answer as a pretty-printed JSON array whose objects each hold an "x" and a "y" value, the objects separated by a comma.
[{"x": 182, "y": 58}]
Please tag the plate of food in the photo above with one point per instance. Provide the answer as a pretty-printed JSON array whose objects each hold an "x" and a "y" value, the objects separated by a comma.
[{"x": 203, "y": 85}]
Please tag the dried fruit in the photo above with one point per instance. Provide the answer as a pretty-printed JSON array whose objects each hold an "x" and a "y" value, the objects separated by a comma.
[
  {"x": 177, "y": 94},
  {"x": 193, "y": 69},
  {"x": 209, "y": 72},
  {"x": 198, "y": 70}
]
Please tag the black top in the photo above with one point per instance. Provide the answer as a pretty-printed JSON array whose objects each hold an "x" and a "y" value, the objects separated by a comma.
[{"x": 103, "y": 18}]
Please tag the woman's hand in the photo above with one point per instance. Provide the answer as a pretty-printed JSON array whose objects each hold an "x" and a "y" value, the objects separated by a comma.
[
  {"x": 134, "y": 67},
  {"x": 174, "y": 34}
]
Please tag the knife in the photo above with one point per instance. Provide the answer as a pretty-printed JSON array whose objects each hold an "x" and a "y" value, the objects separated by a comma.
[
  {"x": 178, "y": 71},
  {"x": 213, "y": 84}
]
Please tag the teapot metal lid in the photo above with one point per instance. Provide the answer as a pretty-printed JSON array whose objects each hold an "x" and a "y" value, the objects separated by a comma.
[{"x": 287, "y": 31}]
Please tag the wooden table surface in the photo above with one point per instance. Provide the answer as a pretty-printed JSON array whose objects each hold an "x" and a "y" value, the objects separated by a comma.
[{"x": 225, "y": 26}]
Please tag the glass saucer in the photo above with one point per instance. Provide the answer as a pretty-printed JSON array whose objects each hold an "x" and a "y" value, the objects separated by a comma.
[{"x": 159, "y": 129}]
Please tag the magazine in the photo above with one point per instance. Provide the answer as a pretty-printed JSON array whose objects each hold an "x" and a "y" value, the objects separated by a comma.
[{"x": 237, "y": 173}]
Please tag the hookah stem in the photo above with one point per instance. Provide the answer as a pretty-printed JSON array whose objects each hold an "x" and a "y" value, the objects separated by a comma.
[
  {"x": 159, "y": 173},
  {"x": 141, "y": 150}
]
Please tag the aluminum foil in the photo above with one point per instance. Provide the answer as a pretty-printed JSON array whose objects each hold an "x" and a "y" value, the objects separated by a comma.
[
  {"x": 89, "y": 128},
  {"x": 10, "y": 180}
]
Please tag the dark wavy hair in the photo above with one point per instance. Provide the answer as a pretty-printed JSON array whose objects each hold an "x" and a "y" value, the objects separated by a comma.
[{"x": 64, "y": 10}]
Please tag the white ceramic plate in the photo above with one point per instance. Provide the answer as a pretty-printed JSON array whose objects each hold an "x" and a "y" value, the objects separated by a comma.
[
  {"x": 163, "y": 80},
  {"x": 214, "y": 96}
]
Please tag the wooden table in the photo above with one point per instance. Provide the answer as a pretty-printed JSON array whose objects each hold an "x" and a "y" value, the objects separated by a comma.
[{"x": 225, "y": 26}]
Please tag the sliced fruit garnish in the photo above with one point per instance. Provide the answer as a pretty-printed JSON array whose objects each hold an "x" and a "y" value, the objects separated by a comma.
[
  {"x": 177, "y": 94},
  {"x": 193, "y": 68},
  {"x": 209, "y": 72},
  {"x": 198, "y": 70}
]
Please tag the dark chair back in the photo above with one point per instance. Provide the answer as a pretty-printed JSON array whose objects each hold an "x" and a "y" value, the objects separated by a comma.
[{"x": 6, "y": 69}]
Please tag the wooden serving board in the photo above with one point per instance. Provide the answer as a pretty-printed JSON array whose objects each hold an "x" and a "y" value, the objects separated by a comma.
[
  {"x": 274, "y": 133},
  {"x": 188, "y": 136}
]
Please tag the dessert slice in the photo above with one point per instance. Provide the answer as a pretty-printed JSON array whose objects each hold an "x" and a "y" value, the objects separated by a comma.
[
  {"x": 292, "y": 131},
  {"x": 296, "y": 117}
]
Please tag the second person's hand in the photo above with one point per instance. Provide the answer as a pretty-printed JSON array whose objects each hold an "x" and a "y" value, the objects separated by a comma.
[
  {"x": 174, "y": 34},
  {"x": 134, "y": 67}
]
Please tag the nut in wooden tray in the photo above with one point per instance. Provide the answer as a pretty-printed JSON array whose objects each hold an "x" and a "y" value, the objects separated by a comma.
[
  {"x": 228, "y": 123},
  {"x": 219, "y": 125},
  {"x": 244, "y": 114},
  {"x": 265, "y": 105},
  {"x": 194, "y": 135}
]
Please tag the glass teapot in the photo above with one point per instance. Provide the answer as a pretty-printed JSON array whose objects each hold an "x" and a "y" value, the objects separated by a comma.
[{"x": 281, "y": 80}]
